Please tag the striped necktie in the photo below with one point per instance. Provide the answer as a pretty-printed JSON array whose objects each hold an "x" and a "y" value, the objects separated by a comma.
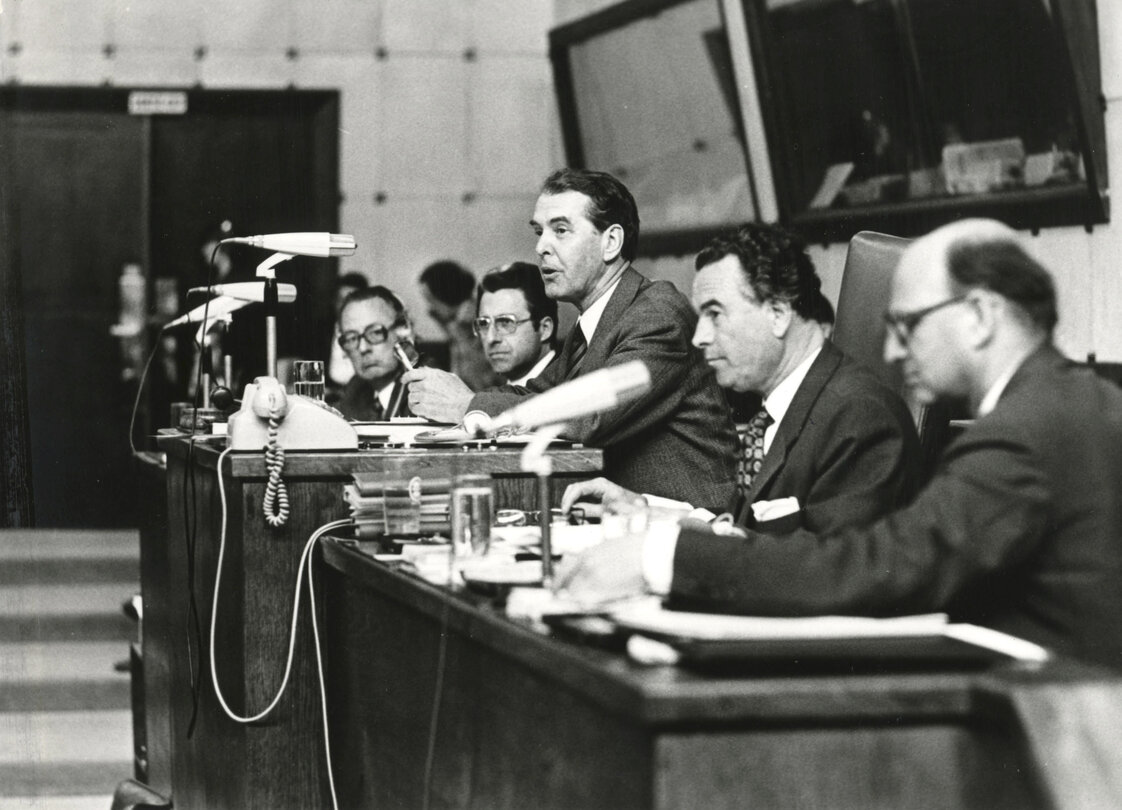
[{"x": 576, "y": 352}]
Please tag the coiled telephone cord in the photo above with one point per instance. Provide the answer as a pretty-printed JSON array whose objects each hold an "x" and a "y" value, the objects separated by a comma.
[{"x": 275, "y": 504}]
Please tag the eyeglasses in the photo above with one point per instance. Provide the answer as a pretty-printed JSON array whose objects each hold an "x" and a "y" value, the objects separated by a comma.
[
  {"x": 504, "y": 324},
  {"x": 373, "y": 334},
  {"x": 903, "y": 324}
]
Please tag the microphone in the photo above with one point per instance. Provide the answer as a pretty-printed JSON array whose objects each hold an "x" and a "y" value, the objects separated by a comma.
[
  {"x": 588, "y": 394},
  {"x": 299, "y": 244},
  {"x": 215, "y": 308},
  {"x": 248, "y": 291}
]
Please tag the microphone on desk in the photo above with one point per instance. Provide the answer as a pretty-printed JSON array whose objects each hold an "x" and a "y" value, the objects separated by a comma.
[
  {"x": 299, "y": 244},
  {"x": 588, "y": 394},
  {"x": 249, "y": 291},
  {"x": 213, "y": 309}
]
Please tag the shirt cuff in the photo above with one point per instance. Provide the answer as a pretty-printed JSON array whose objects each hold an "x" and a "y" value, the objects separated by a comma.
[{"x": 658, "y": 556}]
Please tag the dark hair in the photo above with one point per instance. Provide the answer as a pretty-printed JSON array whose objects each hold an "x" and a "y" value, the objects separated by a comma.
[
  {"x": 527, "y": 278},
  {"x": 449, "y": 282},
  {"x": 369, "y": 294},
  {"x": 353, "y": 279},
  {"x": 776, "y": 267},
  {"x": 1005, "y": 268},
  {"x": 610, "y": 203}
]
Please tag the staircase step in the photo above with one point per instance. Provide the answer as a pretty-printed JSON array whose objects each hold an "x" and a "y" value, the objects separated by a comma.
[
  {"x": 56, "y": 802},
  {"x": 64, "y": 753},
  {"x": 65, "y": 612},
  {"x": 68, "y": 556},
  {"x": 63, "y": 676}
]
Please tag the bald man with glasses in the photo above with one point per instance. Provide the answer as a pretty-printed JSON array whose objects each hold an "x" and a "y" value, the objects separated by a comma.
[
  {"x": 1020, "y": 528},
  {"x": 370, "y": 322}
]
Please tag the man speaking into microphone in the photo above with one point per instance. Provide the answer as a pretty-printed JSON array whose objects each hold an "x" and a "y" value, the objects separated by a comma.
[{"x": 676, "y": 440}]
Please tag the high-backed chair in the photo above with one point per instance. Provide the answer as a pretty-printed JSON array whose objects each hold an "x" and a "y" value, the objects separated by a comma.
[{"x": 859, "y": 328}]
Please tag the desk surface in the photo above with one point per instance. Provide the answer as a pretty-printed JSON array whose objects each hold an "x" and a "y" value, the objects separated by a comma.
[
  {"x": 475, "y": 458},
  {"x": 986, "y": 738}
]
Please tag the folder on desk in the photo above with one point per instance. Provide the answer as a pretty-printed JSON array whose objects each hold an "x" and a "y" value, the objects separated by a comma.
[{"x": 733, "y": 643}]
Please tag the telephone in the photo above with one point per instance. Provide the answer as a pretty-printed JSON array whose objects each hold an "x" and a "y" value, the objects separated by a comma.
[
  {"x": 274, "y": 421},
  {"x": 302, "y": 423}
]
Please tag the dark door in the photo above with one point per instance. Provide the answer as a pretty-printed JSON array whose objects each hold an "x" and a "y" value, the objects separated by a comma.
[
  {"x": 80, "y": 219},
  {"x": 96, "y": 188}
]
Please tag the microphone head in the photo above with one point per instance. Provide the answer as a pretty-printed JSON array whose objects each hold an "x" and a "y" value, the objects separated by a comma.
[{"x": 308, "y": 243}]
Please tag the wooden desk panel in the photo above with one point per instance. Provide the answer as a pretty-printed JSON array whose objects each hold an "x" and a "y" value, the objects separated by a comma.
[
  {"x": 527, "y": 720},
  {"x": 278, "y": 763}
]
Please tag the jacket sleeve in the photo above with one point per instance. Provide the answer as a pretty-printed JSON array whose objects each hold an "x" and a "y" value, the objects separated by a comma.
[{"x": 985, "y": 511}]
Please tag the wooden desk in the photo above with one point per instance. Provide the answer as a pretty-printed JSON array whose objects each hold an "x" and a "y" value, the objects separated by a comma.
[
  {"x": 523, "y": 720},
  {"x": 278, "y": 763}
]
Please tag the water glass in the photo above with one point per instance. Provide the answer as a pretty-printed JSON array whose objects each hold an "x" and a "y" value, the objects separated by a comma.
[
  {"x": 472, "y": 512},
  {"x": 308, "y": 379}
]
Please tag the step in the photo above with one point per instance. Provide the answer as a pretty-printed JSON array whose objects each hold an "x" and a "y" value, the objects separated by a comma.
[
  {"x": 63, "y": 676},
  {"x": 64, "y": 753},
  {"x": 86, "y": 612},
  {"x": 48, "y": 556},
  {"x": 56, "y": 802}
]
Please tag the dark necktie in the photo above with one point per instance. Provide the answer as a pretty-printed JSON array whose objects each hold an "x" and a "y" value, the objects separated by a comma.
[
  {"x": 576, "y": 352},
  {"x": 751, "y": 451},
  {"x": 377, "y": 412}
]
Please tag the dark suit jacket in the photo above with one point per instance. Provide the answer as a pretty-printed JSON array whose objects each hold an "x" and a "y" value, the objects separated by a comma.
[
  {"x": 847, "y": 449},
  {"x": 677, "y": 440},
  {"x": 356, "y": 401},
  {"x": 1020, "y": 529}
]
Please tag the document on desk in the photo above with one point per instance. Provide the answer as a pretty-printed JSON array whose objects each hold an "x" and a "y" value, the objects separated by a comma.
[{"x": 922, "y": 637}]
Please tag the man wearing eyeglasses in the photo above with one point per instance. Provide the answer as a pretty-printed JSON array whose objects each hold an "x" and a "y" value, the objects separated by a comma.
[
  {"x": 370, "y": 321},
  {"x": 516, "y": 322},
  {"x": 1020, "y": 529}
]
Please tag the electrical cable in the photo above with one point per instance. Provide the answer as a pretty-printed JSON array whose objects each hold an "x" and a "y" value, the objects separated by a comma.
[
  {"x": 139, "y": 391},
  {"x": 434, "y": 715},
  {"x": 319, "y": 671},
  {"x": 193, "y": 628},
  {"x": 275, "y": 503}
]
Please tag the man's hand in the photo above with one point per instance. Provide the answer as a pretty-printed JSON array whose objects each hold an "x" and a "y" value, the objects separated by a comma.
[
  {"x": 595, "y": 490},
  {"x": 437, "y": 395},
  {"x": 611, "y": 570}
]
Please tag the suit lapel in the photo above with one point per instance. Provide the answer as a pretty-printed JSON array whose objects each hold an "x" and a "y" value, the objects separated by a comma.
[
  {"x": 820, "y": 372},
  {"x": 599, "y": 347}
]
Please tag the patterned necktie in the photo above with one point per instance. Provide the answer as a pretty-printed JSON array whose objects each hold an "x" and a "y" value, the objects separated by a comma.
[
  {"x": 751, "y": 451},
  {"x": 576, "y": 352}
]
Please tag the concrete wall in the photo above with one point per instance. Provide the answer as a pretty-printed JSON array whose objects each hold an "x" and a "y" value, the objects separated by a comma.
[{"x": 449, "y": 121}]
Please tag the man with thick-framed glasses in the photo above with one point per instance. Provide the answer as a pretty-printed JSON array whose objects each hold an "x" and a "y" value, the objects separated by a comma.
[
  {"x": 516, "y": 322},
  {"x": 1019, "y": 529},
  {"x": 370, "y": 322}
]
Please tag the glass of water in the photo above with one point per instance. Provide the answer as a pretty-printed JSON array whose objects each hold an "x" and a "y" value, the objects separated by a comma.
[{"x": 308, "y": 379}]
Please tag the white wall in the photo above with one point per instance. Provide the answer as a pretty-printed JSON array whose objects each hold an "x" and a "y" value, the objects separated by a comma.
[
  {"x": 456, "y": 145},
  {"x": 453, "y": 126}
]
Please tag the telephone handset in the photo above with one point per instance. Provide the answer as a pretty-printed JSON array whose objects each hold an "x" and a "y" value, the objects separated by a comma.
[{"x": 274, "y": 421}]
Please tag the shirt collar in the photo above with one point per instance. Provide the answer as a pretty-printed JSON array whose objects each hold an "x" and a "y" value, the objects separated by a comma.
[
  {"x": 989, "y": 401},
  {"x": 538, "y": 368},
  {"x": 590, "y": 318},
  {"x": 779, "y": 400}
]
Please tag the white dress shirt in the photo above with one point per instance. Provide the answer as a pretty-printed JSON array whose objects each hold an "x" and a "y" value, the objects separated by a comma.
[{"x": 538, "y": 368}]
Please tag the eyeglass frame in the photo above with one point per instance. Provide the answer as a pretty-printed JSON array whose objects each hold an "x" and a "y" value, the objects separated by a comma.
[
  {"x": 355, "y": 338},
  {"x": 482, "y": 325},
  {"x": 904, "y": 324}
]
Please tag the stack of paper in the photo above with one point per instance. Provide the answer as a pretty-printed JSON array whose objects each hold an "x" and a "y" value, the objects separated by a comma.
[{"x": 367, "y": 503}]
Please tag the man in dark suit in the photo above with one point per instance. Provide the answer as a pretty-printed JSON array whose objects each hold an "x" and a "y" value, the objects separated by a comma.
[
  {"x": 370, "y": 321},
  {"x": 1020, "y": 528},
  {"x": 675, "y": 440},
  {"x": 832, "y": 446}
]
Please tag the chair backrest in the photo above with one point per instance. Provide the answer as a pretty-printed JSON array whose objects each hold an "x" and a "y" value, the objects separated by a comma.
[{"x": 859, "y": 328}]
